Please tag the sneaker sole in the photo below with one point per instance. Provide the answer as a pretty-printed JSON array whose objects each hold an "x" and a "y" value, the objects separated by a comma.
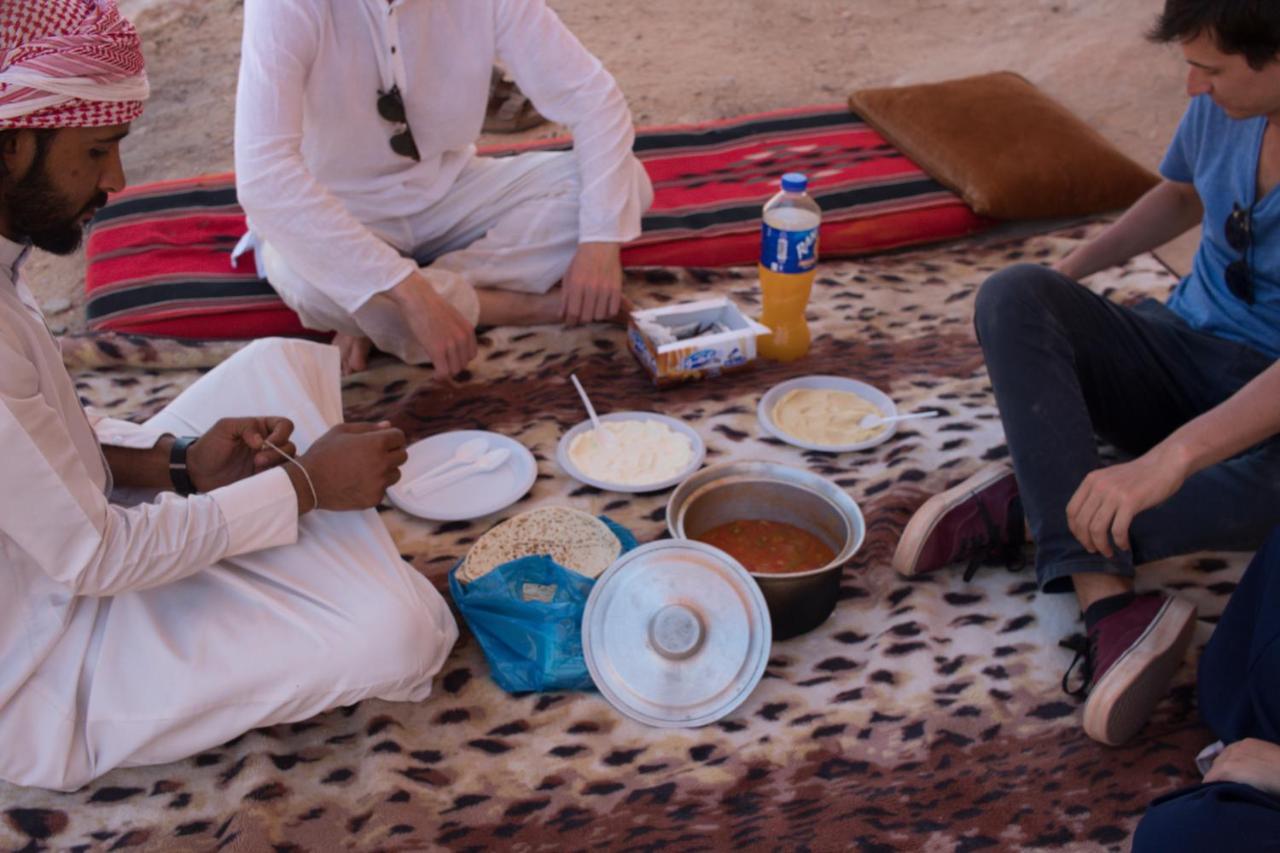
[
  {"x": 1119, "y": 704},
  {"x": 914, "y": 536}
]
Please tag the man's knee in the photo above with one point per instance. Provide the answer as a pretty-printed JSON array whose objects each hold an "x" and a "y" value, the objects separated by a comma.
[
  {"x": 1269, "y": 554},
  {"x": 1261, "y": 579},
  {"x": 313, "y": 363},
  {"x": 396, "y": 640},
  {"x": 284, "y": 280},
  {"x": 1177, "y": 824},
  {"x": 1016, "y": 294},
  {"x": 284, "y": 350},
  {"x": 646, "y": 185},
  {"x": 1218, "y": 816}
]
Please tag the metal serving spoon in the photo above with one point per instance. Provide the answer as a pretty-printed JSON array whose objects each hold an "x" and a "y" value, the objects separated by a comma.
[{"x": 873, "y": 421}]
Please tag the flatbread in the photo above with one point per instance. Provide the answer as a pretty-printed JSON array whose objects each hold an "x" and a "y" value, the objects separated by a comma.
[{"x": 576, "y": 540}]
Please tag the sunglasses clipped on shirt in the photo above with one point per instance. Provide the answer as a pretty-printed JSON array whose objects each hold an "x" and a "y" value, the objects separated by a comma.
[
  {"x": 1238, "y": 230},
  {"x": 391, "y": 108}
]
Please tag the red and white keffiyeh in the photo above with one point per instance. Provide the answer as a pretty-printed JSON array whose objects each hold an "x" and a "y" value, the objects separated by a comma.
[{"x": 68, "y": 63}]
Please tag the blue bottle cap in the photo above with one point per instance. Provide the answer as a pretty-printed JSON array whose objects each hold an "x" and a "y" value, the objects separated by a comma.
[{"x": 795, "y": 182}]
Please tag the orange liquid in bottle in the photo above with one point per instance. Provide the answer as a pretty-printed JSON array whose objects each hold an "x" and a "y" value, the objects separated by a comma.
[{"x": 785, "y": 296}]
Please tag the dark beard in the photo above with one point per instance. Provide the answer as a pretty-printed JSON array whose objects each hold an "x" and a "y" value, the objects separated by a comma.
[{"x": 39, "y": 212}]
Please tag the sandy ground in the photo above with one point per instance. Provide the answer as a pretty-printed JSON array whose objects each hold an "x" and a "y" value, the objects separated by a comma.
[{"x": 688, "y": 60}]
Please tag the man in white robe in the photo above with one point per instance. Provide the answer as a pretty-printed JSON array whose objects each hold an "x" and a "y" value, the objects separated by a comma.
[
  {"x": 356, "y": 123},
  {"x": 143, "y": 634}
]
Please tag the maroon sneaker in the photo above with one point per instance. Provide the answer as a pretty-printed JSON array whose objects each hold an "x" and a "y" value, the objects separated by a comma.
[
  {"x": 977, "y": 520},
  {"x": 1128, "y": 660}
]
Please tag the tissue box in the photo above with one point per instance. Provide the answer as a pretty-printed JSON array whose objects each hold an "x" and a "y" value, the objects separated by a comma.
[{"x": 692, "y": 340}]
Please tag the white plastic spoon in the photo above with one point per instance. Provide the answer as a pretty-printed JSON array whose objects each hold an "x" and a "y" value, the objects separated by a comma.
[
  {"x": 464, "y": 454},
  {"x": 491, "y": 461},
  {"x": 872, "y": 421},
  {"x": 606, "y": 437}
]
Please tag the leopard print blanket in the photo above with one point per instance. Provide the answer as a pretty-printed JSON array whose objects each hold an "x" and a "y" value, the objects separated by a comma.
[{"x": 923, "y": 715}]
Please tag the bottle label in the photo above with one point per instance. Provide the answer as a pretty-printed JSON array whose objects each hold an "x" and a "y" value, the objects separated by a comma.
[{"x": 788, "y": 251}]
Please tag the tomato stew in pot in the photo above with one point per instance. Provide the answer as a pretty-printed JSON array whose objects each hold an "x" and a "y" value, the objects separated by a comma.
[{"x": 770, "y": 547}]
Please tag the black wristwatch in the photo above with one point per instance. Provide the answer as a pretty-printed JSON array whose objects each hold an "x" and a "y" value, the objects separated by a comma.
[{"x": 178, "y": 472}]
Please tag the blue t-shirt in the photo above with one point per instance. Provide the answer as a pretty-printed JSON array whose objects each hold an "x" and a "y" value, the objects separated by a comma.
[{"x": 1219, "y": 155}]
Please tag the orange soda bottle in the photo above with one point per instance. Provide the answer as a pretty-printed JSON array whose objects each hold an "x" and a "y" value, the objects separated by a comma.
[{"x": 788, "y": 262}]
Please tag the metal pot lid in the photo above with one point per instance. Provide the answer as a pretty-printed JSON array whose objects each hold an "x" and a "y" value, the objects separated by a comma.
[{"x": 676, "y": 634}]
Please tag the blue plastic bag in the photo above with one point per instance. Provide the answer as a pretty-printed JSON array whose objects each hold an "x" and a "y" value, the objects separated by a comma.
[{"x": 527, "y": 617}]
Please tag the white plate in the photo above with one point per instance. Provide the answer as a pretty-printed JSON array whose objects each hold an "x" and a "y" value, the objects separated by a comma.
[
  {"x": 871, "y": 394},
  {"x": 472, "y": 497},
  {"x": 695, "y": 462}
]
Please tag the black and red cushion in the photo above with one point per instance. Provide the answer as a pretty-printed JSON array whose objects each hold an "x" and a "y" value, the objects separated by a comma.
[
  {"x": 711, "y": 180},
  {"x": 159, "y": 263},
  {"x": 159, "y": 254}
]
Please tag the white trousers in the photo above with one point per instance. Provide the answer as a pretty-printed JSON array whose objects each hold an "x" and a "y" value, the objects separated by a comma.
[
  {"x": 269, "y": 637},
  {"x": 507, "y": 223}
]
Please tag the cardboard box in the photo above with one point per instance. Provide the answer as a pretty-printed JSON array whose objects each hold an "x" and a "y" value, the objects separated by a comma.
[{"x": 659, "y": 339}]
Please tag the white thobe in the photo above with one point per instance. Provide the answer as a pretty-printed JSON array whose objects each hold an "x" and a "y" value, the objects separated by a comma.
[
  {"x": 346, "y": 218},
  {"x": 143, "y": 634}
]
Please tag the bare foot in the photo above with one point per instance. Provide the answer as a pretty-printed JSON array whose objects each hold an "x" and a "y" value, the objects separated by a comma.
[
  {"x": 354, "y": 352},
  {"x": 623, "y": 317},
  {"x": 509, "y": 109}
]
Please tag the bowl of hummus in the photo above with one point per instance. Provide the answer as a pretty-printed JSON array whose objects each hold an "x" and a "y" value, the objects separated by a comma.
[
  {"x": 826, "y": 413},
  {"x": 643, "y": 452}
]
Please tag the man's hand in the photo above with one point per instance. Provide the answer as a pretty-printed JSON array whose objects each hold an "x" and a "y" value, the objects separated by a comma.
[
  {"x": 1068, "y": 266},
  {"x": 1107, "y": 501},
  {"x": 592, "y": 286},
  {"x": 444, "y": 333},
  {"x": 234, "y": 448},
  {"x": 1251, "y": 762},
  {"x": 352, "y": 465}
]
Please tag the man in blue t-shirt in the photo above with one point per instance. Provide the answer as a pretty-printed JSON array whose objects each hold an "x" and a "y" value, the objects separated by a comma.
[{"x": 1175, "y": 386}]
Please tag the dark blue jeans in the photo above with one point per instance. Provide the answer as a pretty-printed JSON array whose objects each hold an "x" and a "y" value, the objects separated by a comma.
[
  {"x": 1239, "y": 698},
  {"x": 1069, "y": 367}
]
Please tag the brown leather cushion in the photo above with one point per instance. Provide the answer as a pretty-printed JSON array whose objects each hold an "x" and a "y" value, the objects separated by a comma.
[{"x": 1008, "y": 149}]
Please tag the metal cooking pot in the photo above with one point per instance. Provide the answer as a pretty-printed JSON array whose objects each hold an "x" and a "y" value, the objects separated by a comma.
[{"x": 744, "y": 491}]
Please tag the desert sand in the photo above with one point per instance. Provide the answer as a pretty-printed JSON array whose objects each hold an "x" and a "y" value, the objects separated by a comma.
[{"x": 689, "y": 60}]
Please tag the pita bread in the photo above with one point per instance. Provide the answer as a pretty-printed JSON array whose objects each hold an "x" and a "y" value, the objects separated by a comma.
[{"x": 576, "y": 540}]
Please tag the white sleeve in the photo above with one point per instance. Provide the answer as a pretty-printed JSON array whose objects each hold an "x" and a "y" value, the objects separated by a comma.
[
  {"x": 287, "y": 207},
  {"x": 569, "y": 85},
  {"x": 54, "y": 511},
  {"x": 114, "y": 432}
]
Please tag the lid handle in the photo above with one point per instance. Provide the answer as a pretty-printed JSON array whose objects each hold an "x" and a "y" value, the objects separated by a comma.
[{"x": 677, "y": 632}]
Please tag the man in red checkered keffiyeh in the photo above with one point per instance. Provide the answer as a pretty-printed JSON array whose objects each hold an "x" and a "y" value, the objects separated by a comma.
[
  {"x": 71, "y": 81},
  {"x": 96, "y": 641}
]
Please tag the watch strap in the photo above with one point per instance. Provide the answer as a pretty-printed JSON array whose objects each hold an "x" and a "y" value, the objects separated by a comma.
[{"x": 179, "y": 475}]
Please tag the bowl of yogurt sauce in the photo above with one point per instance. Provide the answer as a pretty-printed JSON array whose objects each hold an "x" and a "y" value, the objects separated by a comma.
[
  {"x": 645, "y": 452},
  {"x": 825, "y": 413}
]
